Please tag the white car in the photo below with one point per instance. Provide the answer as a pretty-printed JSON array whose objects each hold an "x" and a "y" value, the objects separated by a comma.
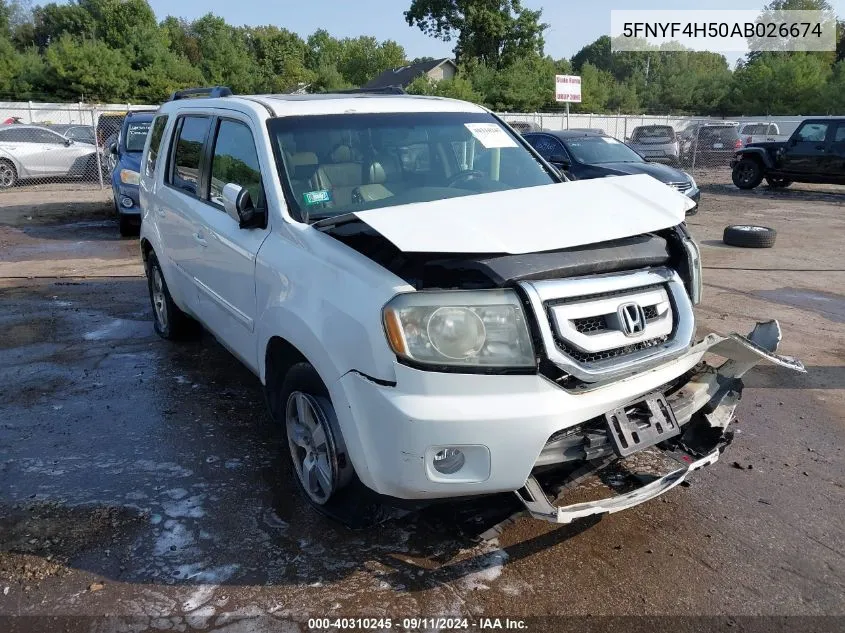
[
  {"x": 443, "y": 327},
  {"x": 30, "y": 151}
]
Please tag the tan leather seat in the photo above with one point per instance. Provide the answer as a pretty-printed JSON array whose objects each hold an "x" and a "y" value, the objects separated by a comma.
[
  {"x": 302, "y": 170},
  {"x": 340, "y": 176},
  {"x": 375, "y": 190}
]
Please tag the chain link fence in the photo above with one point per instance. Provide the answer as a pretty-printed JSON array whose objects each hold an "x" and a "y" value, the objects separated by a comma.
[
  {"x": 702, "y": 146},
  {"x": 67, "y": 145},
  {"x": 58, "y": 145}
]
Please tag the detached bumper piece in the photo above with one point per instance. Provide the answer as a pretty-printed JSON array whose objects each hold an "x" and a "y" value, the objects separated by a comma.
[{"x": 689, "y": 426}]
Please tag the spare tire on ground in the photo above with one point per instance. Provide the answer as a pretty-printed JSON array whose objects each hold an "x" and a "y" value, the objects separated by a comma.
[{"x": 749, "y": 236}]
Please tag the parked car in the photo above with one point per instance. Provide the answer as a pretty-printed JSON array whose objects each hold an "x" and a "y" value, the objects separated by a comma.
[
  {"x": 583, "y": 155},
  {"x": 760, "y": 133},
  {"x": 125, "y": 175},
  {"x": 78, "y": 133},
  {"x": 657, "y": 143},
  {"x": 814, "y": 153},
  {"x": 30, "y": 151},
  {"x": 442, "y": 331},
  {"x": 710, "y": 144}
]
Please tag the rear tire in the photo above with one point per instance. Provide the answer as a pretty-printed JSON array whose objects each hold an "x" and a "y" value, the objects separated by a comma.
[
  {"x": 749, "y": 236},
  {"x": 170, "y": 322},
  {"x": 777, "y": 183},
  {"x": 8, "y": 175},
  {"x": 747, "y": 173}
]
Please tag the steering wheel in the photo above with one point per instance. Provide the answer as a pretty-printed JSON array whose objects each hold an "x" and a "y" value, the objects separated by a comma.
[{"x": 466, "y": 174}]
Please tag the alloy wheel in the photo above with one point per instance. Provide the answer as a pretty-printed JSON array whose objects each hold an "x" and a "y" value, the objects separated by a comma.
[{"x": 312, "y": 446}]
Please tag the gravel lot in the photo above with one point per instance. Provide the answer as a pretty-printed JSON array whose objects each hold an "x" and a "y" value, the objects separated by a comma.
[{"x": 141, "y": 479}]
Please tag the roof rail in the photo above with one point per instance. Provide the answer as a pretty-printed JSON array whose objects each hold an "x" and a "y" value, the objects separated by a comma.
[
  {"x": 209, "y": 92},
  {"x": 386, "y": 90}
]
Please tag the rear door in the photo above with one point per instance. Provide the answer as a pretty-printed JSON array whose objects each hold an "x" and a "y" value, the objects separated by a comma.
[
  {"x": 806, "y": 151},
  {"x": 179, "y": 207},
  {"x": 226, "y": 272}
]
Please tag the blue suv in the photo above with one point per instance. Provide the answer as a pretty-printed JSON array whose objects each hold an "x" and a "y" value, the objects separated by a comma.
[{"x": 126, "y": 174}]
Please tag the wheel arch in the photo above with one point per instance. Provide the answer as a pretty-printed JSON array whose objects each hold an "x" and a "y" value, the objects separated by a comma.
[{"x": 758, "y": 154}]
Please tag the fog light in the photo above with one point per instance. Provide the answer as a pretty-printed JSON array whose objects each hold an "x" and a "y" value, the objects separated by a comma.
[
  {"x": 126, "y": 201},
  {"x": 448, "y": 461}
]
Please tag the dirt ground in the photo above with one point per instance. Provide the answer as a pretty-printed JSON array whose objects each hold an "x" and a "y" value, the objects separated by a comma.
[{"x": 141, "y": 480}]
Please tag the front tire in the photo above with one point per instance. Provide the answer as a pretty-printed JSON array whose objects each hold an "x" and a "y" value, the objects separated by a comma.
[
  {"x": 169, "y": 321},
  {"x": 747, "y": 174},
  {"x": 128, "y": 228},
  {"x": 8, "y": 175},
  {"x": 315, "y": 445}
]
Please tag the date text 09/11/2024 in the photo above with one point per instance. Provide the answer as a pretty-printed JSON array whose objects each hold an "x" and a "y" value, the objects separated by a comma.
[{"x": 415, "y": 624}]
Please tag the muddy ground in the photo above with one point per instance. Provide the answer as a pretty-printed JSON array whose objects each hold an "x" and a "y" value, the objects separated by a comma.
[{"x": 141, "y": 480}]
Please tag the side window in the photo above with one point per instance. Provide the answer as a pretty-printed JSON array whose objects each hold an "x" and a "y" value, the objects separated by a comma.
[
  {"x": 546, "y": 146},
  {"x": 156, "y": 135},
  {"x": 189, "y": 137},
  {"x": 812, "y": 132},
  {"x": 840, "y": 134},
  {"x": 235, "y": 160}
]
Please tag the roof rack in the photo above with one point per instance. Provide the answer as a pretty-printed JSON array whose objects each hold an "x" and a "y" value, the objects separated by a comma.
[
  {"x": 386, "y": 90},
  {"x": 209, "y": 92}
]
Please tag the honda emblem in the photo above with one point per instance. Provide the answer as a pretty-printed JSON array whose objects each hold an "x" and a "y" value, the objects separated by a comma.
[{"x": 631, "y": 318}]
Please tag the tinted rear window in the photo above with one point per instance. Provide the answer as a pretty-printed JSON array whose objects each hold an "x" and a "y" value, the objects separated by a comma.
[
  {"x": 717, "y": 134},
  {"x": 653, "y": 133}
]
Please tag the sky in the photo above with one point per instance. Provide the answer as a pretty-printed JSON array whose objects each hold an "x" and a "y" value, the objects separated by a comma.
[{"x": 572, "y": 24}]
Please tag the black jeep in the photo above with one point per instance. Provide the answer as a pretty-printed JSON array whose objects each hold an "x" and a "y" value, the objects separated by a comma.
[{"x": 814, "y": 153}]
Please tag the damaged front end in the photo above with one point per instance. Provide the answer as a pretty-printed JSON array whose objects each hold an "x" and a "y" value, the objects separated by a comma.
[{"x": 687, "y": 424}]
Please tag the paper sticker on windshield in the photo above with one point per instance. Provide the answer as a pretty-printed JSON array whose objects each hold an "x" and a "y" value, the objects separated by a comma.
[
  {"x": 490, "y": 135},
  {"x": 316, "y": 197},
  {"x": 607, "y": 139}
]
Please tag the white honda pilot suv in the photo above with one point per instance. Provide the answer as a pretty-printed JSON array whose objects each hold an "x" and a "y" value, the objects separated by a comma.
[{"x": 434, "y": 312}]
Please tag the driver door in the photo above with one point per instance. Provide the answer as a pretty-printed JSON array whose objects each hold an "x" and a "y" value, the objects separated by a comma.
[{"x": 807, "y": 150}]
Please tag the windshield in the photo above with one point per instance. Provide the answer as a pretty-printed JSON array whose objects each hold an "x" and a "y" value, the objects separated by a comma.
[
  {"x": 718, "y": 134},
  {"x": 656, "y": 133},
  {"x": 340, "y": 163},
  {"x": 594, "y": 150},
  {"x": 136, "y": 135}
]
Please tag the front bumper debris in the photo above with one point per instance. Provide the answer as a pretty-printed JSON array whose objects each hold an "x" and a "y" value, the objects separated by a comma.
[{"x": 703, "y": 408}]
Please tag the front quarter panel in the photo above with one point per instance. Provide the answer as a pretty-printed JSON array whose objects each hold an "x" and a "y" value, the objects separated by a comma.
[{"x": 325, "y": 299}]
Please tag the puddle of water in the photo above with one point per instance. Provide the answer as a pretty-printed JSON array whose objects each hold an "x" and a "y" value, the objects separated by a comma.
[
  {"x": 119, "y": 329},
  {"x": 827, "y": 304}
]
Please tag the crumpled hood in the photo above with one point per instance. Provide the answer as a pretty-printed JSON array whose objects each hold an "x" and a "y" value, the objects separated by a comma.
[{"x": 534, "y": 219}]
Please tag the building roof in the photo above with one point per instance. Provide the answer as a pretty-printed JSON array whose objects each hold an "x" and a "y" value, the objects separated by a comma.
[{"x": 406, "y": 74}]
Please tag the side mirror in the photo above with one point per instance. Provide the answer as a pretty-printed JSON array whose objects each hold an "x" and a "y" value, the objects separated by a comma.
[
  {"x": 560, "y": 161},
  {"x": 113, "y": 148},
  {"x": 239, "y": 206},
  {"x": 793, "y": 142},
  {"x": 68, "y": 142}
]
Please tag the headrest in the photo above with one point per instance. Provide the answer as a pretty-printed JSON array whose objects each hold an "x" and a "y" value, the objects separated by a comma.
[
  {"x": 341, "y": 154},
  {"x": 376, "y": 174}
]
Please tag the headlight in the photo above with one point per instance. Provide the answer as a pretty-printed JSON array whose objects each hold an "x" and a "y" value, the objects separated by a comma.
[
  {"x": 465, "y": 328},
  {"x": 692, "y": 180},
  {"x": 129, "y": 177},
  {"x": 694, "y": 283}
]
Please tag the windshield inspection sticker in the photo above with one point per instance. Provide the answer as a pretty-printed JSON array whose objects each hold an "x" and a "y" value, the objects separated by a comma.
[
  {"x": 316, "y": 197},
  {"x": 490, "y": 135}
]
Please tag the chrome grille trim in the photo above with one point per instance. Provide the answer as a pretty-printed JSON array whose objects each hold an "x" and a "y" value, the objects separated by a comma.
[{"x": 655, "y": 346}]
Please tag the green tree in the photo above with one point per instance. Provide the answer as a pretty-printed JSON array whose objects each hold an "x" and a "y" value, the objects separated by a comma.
[
  {"x": 86, "y": 68},
  {"x": 777, "y": 84},
  {"x": 225, "y": 58},
  {"x": 281, "y": 56},
  {"x": 495, "y": 32},
  {"x": 455, "y": 88},
  {"x": 363, "y": 58}
]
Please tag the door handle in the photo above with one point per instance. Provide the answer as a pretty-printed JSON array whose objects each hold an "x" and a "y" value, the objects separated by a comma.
[{"x": 199, "y": 238}]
